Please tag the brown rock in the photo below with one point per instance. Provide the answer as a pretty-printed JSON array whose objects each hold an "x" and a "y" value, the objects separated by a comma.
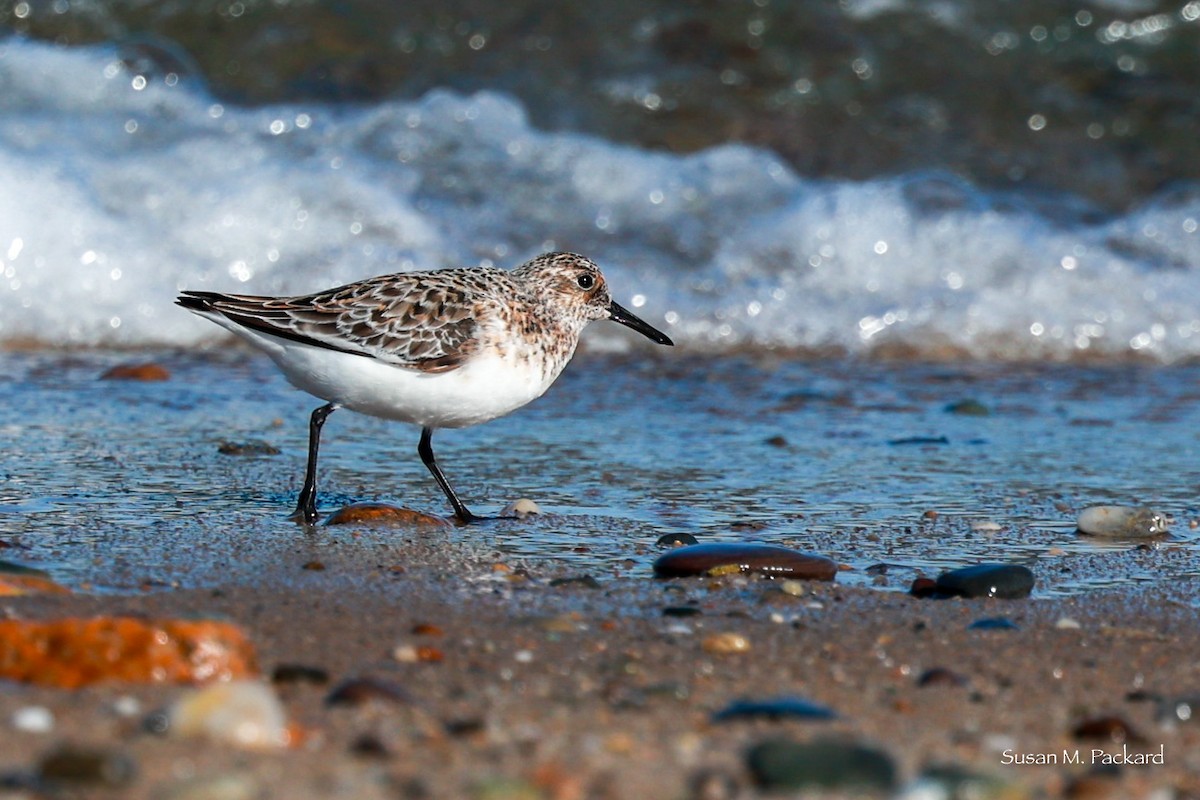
[
  {"x": 73, "y": 652},
  {"x": 383, "y": 514},
  {"x": 136, "y": 372},
  {"x": 722, "y": 558},
  {"x": 17, "y": 585}
]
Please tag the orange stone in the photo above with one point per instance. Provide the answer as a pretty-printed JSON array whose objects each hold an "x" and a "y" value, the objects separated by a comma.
[
  {"x": 73, "y": 652},
  {"x": 383, "y": 514},
  {"x": 17, "y": 585},
  {"x": 136, "y": 372}
]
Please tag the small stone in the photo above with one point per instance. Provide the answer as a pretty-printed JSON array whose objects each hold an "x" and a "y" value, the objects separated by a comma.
[
  {"x": 136, "y": 372},
  {"x": 726, "y": 643},
  {"x": 313, "y": 566},
  {"x": 986, "y": 526},
  {"x": 1067, "y": 624},
  {"x": 681, "y": 611},
  {"x": 384, "y": 515},
  {"x": 775, "y": 708},
  {"x": 940, "y": 676},
  {"x": 1174, "y": 710},
  {"x": 74, "y": 652},
  {"x": 1107, "y": 728},
  {"x": 359, "y": 691},
  {"x": 23, "y": 585},
  {"x": 930, "y": 514},
  {"x": 82, "y": 767},
  {"x": 521, "y": 508},
  {"x": 245, "y": 714},
  {"x": 968, "y": 408},
  {"x": 33, "y": 719},
  {"x": 675, "y": 540},
  {"x": 1006, "y": 581},
  {"x": 248, "y": 449},
  {"x": 783, "y": 764},
  {"x": 230, "y": 786},
  {"x": 299, "y": 673},
  {"x": 993, "y": 624},
  {"x": 722, "y": 558},
  {"x": 918, "y": 440},
  {"x": 576, "y": 581},
  {"x": 776, "y": 441},
  {"x": 1121, "y": 522}
]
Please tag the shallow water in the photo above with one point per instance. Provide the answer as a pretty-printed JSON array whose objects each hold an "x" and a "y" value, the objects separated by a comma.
[{"x": 118, "y": 486}]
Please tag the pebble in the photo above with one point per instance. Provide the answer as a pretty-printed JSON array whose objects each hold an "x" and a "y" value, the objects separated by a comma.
[
  {"x": 1121, "y": 522},
  {"x": 521, "y": 508},
  {"x": 993, "y": 624},
  {"x": 1067, "y": 624},
  {"x": 33, "y": 719},
  {"x": 577, "y": 581},
  {"x": 83, "y": 766},
  {"x": 1006, "y": 581},
  {"x": 359, "y": 691},
  {"x": 940, "y": 676},
  {"x": 251, "y": 448},
  {"x": 73, "y": 652},
  {"x": 968, "y": 408},
  {"x": 676, "y": 540},
  {"x": 245, "y": 714},
  {"x": 726, "y": 643},
  {"x": 1108, "y": 728},
  {"x": 230, "y": 786},
  {"x": 1173, "y": 710},
  {"x": 136, "y": 372},
  {"x": 299, "y": 673},
  {"x": 784, "y": 764},
  {"x": 384, "y": 514},
  {"x": 775, "y": 708},
  {"x": 721, "y": 558},
  {"x": 986, "y": 526}
]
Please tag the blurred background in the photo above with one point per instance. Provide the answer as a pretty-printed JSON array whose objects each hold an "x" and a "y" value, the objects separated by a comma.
[{"x": 938, "y": 179}]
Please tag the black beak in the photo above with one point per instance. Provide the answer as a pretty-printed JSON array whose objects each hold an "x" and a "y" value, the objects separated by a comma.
[{"x": 618, "y": 314}]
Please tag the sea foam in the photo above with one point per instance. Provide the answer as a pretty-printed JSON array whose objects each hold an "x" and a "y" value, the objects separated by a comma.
[{"x": 118, "y": 189}]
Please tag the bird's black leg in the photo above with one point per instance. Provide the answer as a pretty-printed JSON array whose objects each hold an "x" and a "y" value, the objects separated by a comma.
[
  {"x": 306, "y": 505},
  {"x": 425, "y": 450}
]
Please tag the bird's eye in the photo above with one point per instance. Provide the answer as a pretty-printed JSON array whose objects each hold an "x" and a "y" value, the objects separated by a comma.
[{"x": 585, "y": 281}]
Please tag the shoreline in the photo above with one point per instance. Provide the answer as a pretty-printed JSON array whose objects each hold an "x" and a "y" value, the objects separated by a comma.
[{"x": 561, "y": 690}]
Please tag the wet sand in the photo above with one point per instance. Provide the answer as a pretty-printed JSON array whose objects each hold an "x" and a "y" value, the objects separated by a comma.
[
  {"x": 554, "y": 664},
  {"x": 573, "y": 691}
]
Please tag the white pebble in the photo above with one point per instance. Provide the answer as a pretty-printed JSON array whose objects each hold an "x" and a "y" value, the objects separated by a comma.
[
  {"x": 1121, "y": 522},
  {"x": 523, "y": 656},
  {"x": 33, "y": 719},
  {"x": 986, "y": 526},
  {"x": 245, "y": 714},
  {"x": 521, "y": 508},
  {"x": 1067, "y": 624}
]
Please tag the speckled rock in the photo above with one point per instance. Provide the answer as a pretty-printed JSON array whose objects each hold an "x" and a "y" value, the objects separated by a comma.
[
  {"x": 245, "y": 714},
  {"x": 722, "y": 558},
  {"x": 1121, "y": 522},
  {"x": 74, "y": 652},
  {"x": 384, "y": 514}
]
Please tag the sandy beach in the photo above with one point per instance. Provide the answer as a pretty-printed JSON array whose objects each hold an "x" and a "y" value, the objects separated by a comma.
[{"x": 578, "y": 690}]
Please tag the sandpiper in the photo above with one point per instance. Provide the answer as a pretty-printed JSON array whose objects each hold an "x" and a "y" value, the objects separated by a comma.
[{"x": 441, "y": 349}]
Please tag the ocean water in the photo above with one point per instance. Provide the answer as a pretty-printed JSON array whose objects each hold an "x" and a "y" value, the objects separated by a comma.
[
  {"x": 848, "y": 216},
  {"x": 120, "y": 186},
  {"x": 118, "y": 486}
]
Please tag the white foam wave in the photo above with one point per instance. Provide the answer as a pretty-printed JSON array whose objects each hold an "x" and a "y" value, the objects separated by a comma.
[{"x": 117, "y": 191}]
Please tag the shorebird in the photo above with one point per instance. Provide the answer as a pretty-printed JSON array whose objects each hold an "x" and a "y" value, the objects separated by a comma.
[{"x": 441, "y": 349}]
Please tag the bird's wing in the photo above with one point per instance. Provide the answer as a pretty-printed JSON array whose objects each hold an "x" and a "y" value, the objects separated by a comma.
[{"x": 423, "y": 321}]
